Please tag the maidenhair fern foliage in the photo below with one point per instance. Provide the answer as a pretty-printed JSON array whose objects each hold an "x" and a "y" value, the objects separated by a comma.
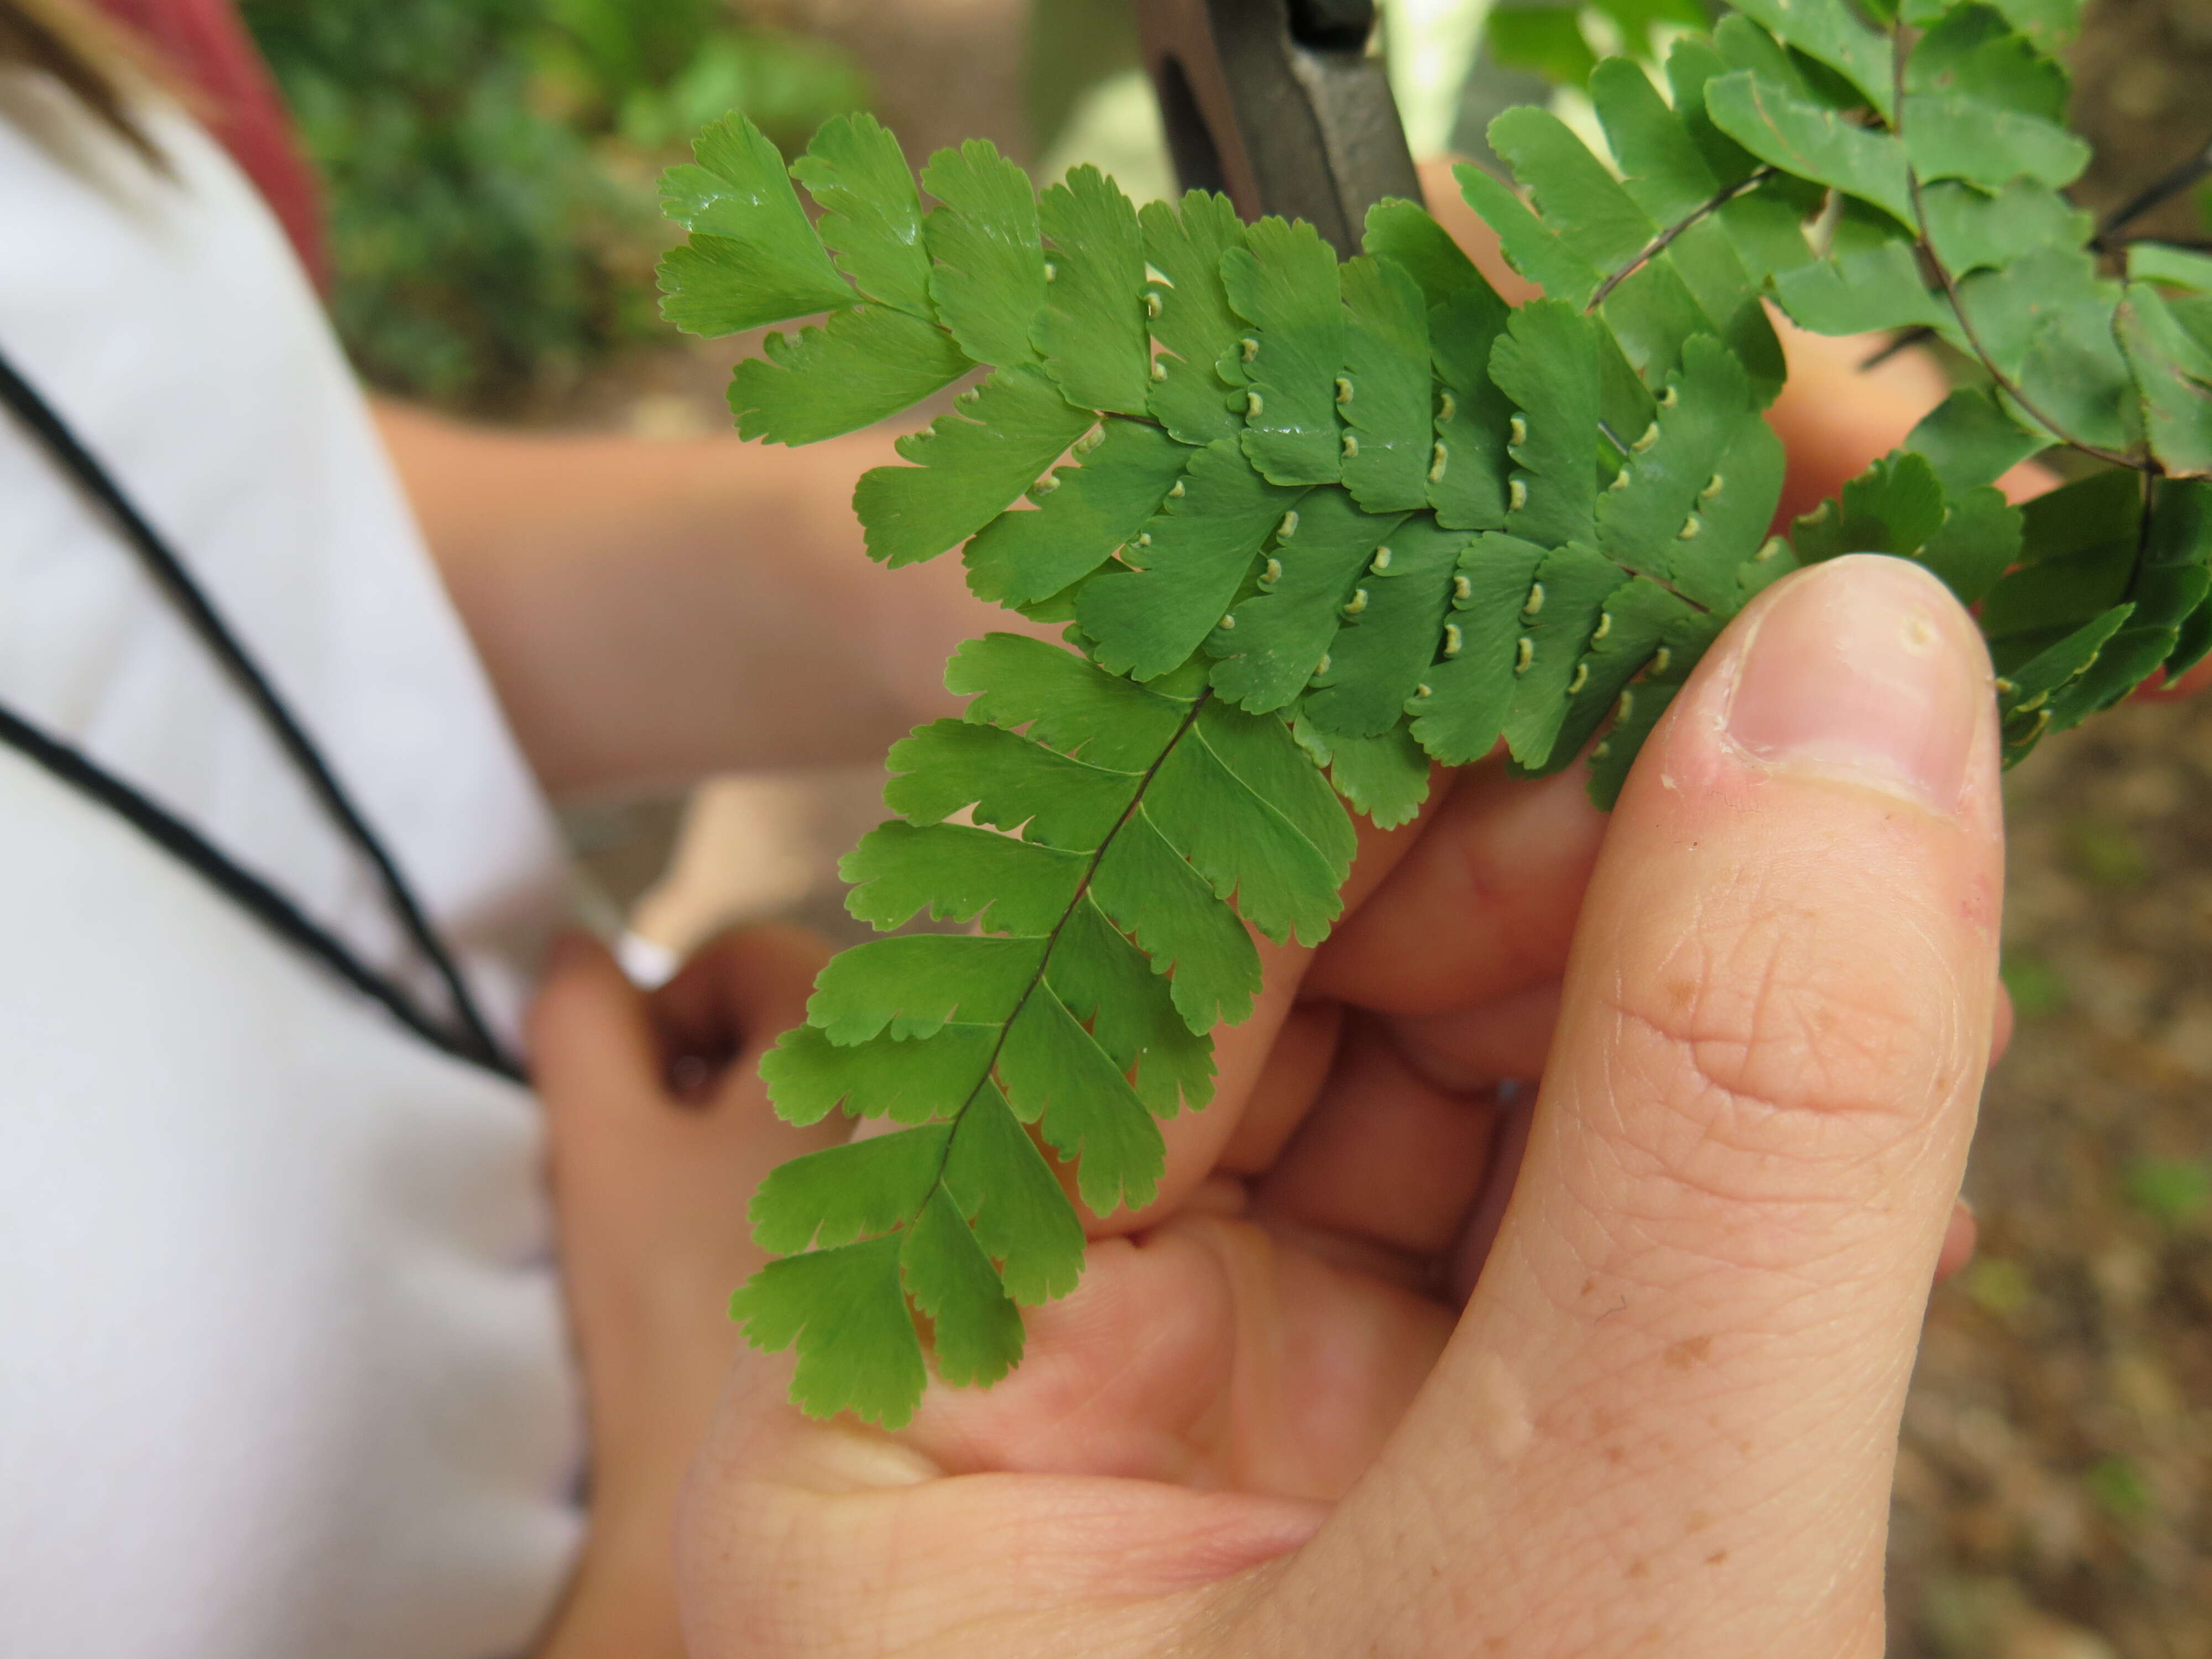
[{"x": 1313, "y": 524}]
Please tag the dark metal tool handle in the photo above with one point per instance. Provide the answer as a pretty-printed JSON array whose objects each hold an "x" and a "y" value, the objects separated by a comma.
[{"x": 1277, "y": 104}]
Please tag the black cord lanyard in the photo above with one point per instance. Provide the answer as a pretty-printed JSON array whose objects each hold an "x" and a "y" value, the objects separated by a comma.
[{"x": 467, "y": 1036}]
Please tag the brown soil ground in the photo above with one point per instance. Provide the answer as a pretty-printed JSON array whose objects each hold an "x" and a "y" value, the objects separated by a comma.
[{"x": 2054, "y": 1499}]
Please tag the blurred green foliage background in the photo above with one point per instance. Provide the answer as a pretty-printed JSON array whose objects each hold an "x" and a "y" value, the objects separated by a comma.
[{"x": 489, "y": 167}]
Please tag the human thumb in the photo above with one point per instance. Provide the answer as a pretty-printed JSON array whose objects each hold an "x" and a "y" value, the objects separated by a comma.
[{"x": 1668, "y": 1419}]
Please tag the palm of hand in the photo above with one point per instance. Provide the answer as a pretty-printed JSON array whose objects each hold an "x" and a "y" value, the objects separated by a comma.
[
  {"x": 1191, "y": 1414},
  {"x": 1220, "y": 1354}
]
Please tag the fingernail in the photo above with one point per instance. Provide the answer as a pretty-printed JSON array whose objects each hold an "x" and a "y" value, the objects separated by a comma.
[{"x": 1865, "y": 667}]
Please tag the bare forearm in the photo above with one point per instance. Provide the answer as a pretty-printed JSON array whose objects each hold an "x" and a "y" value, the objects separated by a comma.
[{"x": 653, "y": 611}]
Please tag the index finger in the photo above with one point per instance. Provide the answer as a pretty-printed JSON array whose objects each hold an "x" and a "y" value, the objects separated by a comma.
[{"x": 1482, "y": 905}]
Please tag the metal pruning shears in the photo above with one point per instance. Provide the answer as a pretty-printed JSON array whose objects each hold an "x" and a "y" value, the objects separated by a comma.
[{"x": 1277, "y": 104}]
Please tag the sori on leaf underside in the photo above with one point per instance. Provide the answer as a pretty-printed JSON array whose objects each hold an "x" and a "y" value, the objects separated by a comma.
[{"x": 1312, "y": 524}]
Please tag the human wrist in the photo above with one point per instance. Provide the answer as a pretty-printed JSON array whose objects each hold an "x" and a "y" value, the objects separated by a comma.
[{"x": 621, "y": 1600}]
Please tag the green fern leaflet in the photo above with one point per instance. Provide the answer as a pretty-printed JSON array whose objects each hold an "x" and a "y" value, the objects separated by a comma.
[{"x": 1313, "y": 525}]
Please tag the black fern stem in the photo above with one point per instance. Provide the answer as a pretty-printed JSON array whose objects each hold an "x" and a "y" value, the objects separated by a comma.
[
  {"x": 1659, "y": 244},
  {"x": 1052, "y": 940},
  {"x": 2107, "y": 241},
  {"x": 2004, "y": 382},
  {"x": 2143, "y": 526},
  {"x": 2152, "y": 196}
]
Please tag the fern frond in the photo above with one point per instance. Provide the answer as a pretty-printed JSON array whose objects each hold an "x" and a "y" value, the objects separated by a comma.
[
  {"x": 1316, "y": 526},
  {"x": 1111, "y": 826}
]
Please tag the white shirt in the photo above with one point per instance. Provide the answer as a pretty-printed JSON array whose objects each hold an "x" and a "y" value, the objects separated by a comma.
[{"x": 283, "y": 1368}]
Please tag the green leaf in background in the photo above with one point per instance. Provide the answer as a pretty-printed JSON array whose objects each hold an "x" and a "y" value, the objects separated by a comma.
[
  {"x": 1971, "y": 229},
  {"x": 2172, "y": 1192},
  {"x": 2153, "y": 262},
  {"x": 1545, "y": 40},
  {"x": 1834, "y": 35},
  {"x": 1972, "y": 50},
  {"x": 490, "y": 233},
  {"x": 2077, "y": 376},
  {"x": 1663, "y": 171},
  {"x": 1653, "y": 314},
  {"x": 1530, "y": 246},
  {"x": 1402, "y": 232},
  {"x": 1950, "y": 136},
  {"x": 1692, "y": 64},
  {"x": 1862, "y": 291},
  {"x": 2173, "y": 373},
  {"x": 1744, "y": 46},
  {"x": 1977, "y": 543},
  {"x": 2048, "y": 24},
  {"x": 1573, "y": 192},
  {"x": 1894, "y": 507},
  {"x": 1969, "y": 441},
  {"x": 1809, "y": 141},
  {"x": 2036, "y": 989}
]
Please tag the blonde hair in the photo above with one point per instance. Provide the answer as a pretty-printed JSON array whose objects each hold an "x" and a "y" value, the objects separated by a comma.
[{"x": 91, "y": 59}]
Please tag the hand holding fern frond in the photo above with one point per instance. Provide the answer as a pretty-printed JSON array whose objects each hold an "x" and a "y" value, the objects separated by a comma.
[{"x": 1666, "y": 1411}]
